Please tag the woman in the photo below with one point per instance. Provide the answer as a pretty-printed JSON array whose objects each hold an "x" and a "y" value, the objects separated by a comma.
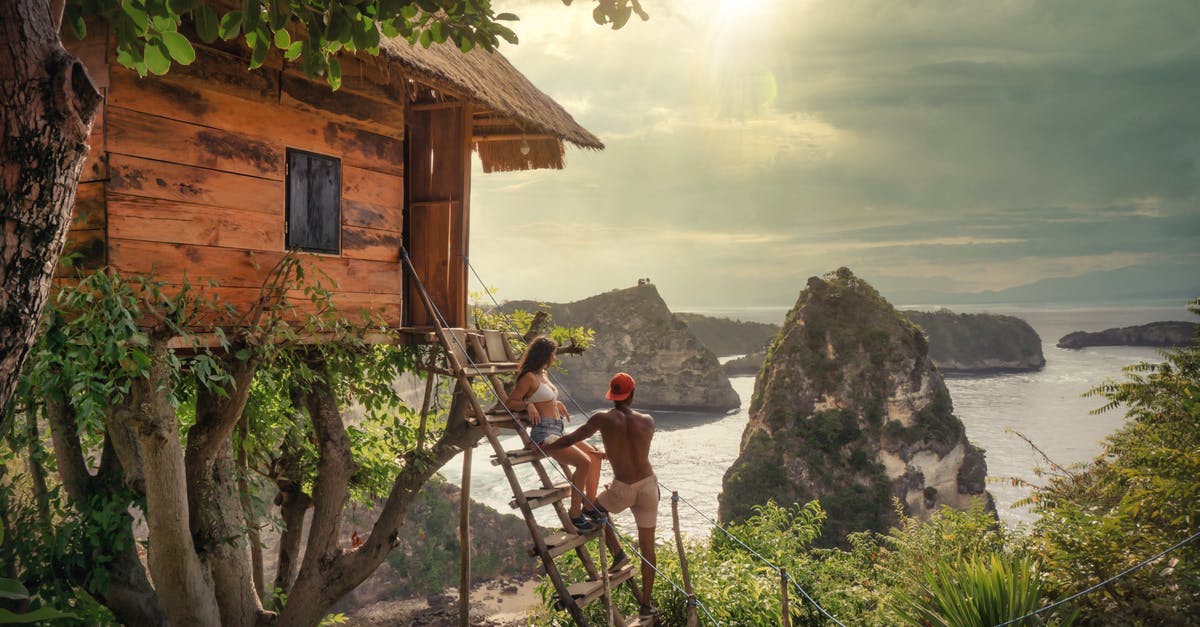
[{"x": 536, "y": 395}]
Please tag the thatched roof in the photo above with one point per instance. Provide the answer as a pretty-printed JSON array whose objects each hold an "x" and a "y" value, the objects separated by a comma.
[{"x": 490, "y": 80}]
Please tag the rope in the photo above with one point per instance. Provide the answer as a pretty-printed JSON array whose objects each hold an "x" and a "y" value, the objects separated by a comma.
[
  {"x": 1096, "y": 587},
  {"x": 766, "y": 561}
]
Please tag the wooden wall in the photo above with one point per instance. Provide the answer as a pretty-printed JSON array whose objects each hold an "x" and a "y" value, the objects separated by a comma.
[{"x": 191, "y": 173}]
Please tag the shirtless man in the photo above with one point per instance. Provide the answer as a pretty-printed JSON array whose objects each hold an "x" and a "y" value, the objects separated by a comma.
[{"x": 626, "y": 434}]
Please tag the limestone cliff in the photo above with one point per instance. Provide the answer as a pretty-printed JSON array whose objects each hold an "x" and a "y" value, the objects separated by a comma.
[
  {"x": 968, "y": 343},
  {"x": 637, "y": 333},
  {"x": 729, "y": 337},
  {"x": 1161, "y": 334},
  {"x": 850, "y": 410}
]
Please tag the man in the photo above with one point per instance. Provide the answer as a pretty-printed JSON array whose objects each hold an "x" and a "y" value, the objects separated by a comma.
[{"x": 626, "y": 434}]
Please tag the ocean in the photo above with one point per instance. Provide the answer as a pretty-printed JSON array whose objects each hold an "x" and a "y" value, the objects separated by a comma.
[{"x": 691, "y": 451}]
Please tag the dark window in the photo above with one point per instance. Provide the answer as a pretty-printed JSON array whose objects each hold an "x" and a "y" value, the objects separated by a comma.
[{"x": 314, "y": 193}]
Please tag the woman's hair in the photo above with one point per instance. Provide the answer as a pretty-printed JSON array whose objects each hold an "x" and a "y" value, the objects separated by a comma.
[{"x": 537, "y": 355}]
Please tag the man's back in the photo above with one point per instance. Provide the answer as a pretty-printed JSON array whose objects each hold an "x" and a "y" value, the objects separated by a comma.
[{"x": 627, "y": 434}]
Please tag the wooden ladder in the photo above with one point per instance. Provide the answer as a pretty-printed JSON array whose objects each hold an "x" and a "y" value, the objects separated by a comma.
[{"x": 472, "y": 354}]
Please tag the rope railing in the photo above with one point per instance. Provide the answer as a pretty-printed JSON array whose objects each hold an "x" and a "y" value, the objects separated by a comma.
[
  {"x": 587, "y": 501},
  {"x": 766, "y": 561},
  {"x": 1091, "y": 589}
]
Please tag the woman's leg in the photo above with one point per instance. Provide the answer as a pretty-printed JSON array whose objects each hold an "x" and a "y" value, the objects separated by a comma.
[{"x": 578, "y": 465}]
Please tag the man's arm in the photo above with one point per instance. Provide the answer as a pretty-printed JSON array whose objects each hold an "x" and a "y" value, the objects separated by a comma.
[{"x": 585, "y": 431}]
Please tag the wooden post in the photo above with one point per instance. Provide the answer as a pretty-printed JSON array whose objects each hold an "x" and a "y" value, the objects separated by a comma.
[
  {"x": 425, "y": 407},
  {"x": 608, "y": 605},
  {"x": 464, "y": 537},
  {"x": 692, "y": 618},
  {"x": 785, "y": 611}
]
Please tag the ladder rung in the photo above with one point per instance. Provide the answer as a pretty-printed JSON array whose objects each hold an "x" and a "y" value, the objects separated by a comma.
[
  {"x": 563, "y": 541},
  {"x": 518, "y": 456},
  {"x": 585, "y": 592},
  {"x": 544, "y": 496}
]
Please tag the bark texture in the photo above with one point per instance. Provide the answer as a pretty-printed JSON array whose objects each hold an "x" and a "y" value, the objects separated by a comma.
[
  {"x": 184, "y": 584},
  {"x": 47, "y": 104},
  {"x": 217, "y": 519}
]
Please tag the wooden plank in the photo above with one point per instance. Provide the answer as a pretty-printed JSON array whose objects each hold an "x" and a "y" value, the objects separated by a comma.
[
  {"x": 138, "y": 134},
  {"x": 373, "y": 187},
  {"x": 544, "y": 496},
  {"x": 376, "y": 244},
  {"x": 89, "y": 206},
  {"x": 428, "y": 236},
  {"x": 171, "y": 181},
  {"x": 380, "y": 116},
  {"x": 216, "y": 70},
  {"x": 585, "y": 592},
  {"x": 173, "y": 263},
  {"x": 351, "y": 305},
  {"x": 267, "y": 122},
  {"x": 157, "y": 220},
  {"x": 355, "y": 213}
]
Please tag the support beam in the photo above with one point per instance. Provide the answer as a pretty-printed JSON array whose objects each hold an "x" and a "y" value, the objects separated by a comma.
[{"x": 464, "y": 536}]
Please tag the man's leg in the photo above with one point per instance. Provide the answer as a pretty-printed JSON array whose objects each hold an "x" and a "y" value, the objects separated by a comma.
[{"x": 649, "y": 562}]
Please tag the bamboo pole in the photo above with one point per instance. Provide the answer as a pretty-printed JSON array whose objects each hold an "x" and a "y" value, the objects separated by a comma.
[
  {"x": 692, "y": 618},
  {"x": 786, "y": 612},
  {"x": 464, "y": 535}
]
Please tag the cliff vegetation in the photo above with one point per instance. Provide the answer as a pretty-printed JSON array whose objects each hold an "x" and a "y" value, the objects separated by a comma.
[
  {"x": 1160, "y": 334},
  {"x": 636, "y": 332},
  {"x": 969, "y": 343},
  {"x": 848, "y": 409}
]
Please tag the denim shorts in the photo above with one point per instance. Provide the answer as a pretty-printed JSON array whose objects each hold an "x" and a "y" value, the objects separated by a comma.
[{"x": 546, "y": 429}]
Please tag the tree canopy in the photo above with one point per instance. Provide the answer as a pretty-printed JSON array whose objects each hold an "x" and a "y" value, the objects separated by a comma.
[{"x": 151, "y": 35}]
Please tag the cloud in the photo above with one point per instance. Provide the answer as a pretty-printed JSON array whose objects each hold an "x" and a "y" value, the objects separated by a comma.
[{"x": 958, "y": 144}]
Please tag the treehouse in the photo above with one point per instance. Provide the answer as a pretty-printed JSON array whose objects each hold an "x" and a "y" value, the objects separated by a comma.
[{"x": 212, "y": 173}]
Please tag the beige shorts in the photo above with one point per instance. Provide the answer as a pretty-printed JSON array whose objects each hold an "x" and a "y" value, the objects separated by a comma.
[{"x": 640, "y": 497}]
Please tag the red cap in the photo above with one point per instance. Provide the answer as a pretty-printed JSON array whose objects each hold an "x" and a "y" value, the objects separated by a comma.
[{"x": 620, "y": 387}]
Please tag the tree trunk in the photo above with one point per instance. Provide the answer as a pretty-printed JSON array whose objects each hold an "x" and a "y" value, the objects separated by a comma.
[
  {"x": 184, "y": 584},
  {"x": 252, "y": 524},
  {"x": 127, "y": 592},
  {"x": 217, "y": 519},
  {"x": 47, "y": 104},
  {"x": 325, "y": 579},
  {"x": 293, "y": 504}
]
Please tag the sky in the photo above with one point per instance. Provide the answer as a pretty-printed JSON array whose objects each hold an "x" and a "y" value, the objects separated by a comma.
[{"x": 929, "y": 146}]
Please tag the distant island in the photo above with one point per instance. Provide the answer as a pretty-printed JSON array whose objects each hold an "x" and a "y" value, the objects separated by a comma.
[
  {"x": 725, "y": 337},
  {"x": 977, "y": 343},
  {"x": 1159, "y": 334}
]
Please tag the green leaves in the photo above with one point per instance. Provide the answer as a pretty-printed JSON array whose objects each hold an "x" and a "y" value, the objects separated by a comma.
[
  {"x": 206, "y": 24},
  {"x": 231, "y": 25},
  {"x": 179, "y": 47}
]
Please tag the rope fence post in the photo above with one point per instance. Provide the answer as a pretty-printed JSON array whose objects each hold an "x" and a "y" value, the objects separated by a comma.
[
  {"x": 608, "y": 609},
  {"x": 692, "y": 618},
  {"x": 785, "y": 611}
]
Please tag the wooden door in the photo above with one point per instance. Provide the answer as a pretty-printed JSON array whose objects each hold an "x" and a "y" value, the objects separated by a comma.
[{"x": 437, "y": 175}]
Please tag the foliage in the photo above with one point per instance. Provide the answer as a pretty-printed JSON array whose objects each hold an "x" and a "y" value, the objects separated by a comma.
[
  {"x": 151, "y": 35},
  {"x": 1134, "y": 500},
  {"x": 978, "y": 592},
  {"x": 13, "y": 590}
]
